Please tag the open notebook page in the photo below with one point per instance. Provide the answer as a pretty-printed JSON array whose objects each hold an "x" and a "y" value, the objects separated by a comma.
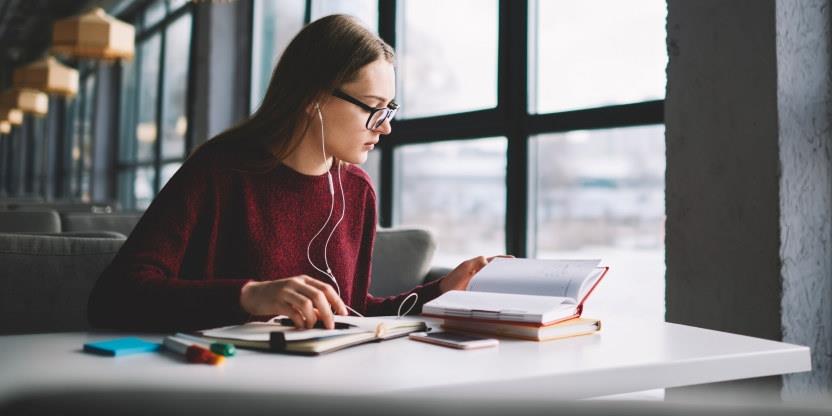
[{"x": 562, "y": 278}]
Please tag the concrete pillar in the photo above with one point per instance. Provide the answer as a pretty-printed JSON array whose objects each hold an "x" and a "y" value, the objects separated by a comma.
[{"x": 748, "y": 181}]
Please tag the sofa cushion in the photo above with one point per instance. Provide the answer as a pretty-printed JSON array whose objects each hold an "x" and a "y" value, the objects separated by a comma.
[
  {"x": 401, "y": 259},
  {"x": 31, "y": 221},
  {"x": 46, "y": 280},
  {"x": 86, "y": 221}
]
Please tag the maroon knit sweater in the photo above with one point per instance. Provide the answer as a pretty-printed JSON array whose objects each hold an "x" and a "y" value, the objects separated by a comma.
[{"x": 215, "y": 226}]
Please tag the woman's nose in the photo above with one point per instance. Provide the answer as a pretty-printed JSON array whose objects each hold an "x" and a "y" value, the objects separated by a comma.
[{"x": 385, "y": 128}]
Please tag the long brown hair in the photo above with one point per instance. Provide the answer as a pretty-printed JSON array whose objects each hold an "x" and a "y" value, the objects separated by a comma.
[{"x": 323, "y": 56}]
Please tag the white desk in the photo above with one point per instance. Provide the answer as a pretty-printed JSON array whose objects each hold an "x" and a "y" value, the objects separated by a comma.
[{"x": 624, "y": 357}]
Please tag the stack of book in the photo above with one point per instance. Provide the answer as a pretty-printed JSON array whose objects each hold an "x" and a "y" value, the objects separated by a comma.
[{"x": 523, "y": 298}]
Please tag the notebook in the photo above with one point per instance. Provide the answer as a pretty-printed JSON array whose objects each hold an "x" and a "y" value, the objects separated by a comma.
[{"x": 273, "y": 336}]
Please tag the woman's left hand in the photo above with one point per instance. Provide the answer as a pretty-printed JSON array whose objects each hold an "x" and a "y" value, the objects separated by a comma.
[{"x": 459, "y": 277}]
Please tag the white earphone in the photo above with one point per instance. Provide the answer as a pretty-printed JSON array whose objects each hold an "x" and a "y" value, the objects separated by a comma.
[{"x": 328, "y": 272}]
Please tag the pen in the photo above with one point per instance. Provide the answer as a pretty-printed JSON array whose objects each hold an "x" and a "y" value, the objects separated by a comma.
[
  {"x": 193, "y": 353},
  {"x": 221, "y": 348},
  {"x": 318, "y": 324}
]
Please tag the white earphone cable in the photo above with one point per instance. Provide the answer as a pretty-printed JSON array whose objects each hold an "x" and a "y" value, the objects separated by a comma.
[{"x": 328, "y": 272}]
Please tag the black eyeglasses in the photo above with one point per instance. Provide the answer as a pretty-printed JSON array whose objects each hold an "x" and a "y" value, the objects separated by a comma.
[{"x": 377, "y": 115}]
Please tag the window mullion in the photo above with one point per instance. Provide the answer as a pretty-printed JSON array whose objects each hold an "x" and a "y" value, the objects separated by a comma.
[
  {"x": 387, "y": 31},
  {"x": 512, "y": 102},
  {"x": 160, "y": 84}
]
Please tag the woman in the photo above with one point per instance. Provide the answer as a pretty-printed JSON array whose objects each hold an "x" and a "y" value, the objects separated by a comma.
[{"x": 272, "y": 217}]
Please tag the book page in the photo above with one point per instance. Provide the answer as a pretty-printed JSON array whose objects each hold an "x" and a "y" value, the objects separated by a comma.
[
  {"x": 259, "y": 331},
  {"x": 562, "y": 278}
]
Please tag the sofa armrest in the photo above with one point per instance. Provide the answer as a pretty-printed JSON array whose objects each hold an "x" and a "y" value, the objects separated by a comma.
[
  {"x": 436, "y": 273},
  {"x": 401, "y": 259}
]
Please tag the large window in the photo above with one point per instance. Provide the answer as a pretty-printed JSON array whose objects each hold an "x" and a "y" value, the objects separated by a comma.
[
  {"x": 533, "y": 128},
  {"x": 154, "y": 102},
  {"x": 446, "y": 67},
  {"x": 595, "y": 54},
  {"x": 276, "y": 22},
  {"x": 457, "y": 188}
]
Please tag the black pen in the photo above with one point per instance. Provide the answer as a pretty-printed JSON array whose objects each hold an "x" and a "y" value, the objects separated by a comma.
[{"x": 318, "y": 325}]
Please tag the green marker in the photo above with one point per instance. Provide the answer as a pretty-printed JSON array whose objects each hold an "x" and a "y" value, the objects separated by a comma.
[{"x": 223, "y": 349}]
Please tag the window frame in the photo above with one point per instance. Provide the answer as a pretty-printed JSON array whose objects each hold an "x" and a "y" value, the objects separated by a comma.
[
  {"x": 511, "y": 119},
  {"x": 127, "y": 196}
]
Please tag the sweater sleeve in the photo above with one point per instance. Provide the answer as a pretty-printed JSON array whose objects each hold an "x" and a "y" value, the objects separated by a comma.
[
  {"x": 390, "y": 305},
  {"x": 142, "y": 288}
]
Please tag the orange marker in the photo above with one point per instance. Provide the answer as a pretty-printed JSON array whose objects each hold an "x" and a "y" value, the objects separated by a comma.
[{"x": 193, "y": 353}]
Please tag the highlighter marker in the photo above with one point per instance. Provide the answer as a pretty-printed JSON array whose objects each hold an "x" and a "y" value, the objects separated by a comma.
[
  {"x": 221, "y": 348},
  {"x": 193, "y": 353}
]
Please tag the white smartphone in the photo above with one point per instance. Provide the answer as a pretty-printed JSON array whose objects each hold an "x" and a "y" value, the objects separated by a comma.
[{"x": 454, "y": 340}]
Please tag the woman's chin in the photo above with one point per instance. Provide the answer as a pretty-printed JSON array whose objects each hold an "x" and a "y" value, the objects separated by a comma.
[{"x": 355, "y": 158}]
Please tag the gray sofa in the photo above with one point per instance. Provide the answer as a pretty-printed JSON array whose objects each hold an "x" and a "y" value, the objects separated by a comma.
[
  {"x": 46, "y": 278},
  {"x": 48, "y": 220},
  {"x": 45, "y": 221}
]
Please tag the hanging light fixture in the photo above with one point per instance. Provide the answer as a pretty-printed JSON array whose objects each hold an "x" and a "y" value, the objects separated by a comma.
[
  {"x": 26, "y": 100},
  {"x": 5, "y": 127},
  {"x": 11, "y": 115},
  {"x": 93, "y": 35},
  {"x": 47, "y": 75}
]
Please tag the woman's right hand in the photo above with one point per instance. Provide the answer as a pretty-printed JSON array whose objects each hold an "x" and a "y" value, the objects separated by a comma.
[{"x": 302, "y": 298}]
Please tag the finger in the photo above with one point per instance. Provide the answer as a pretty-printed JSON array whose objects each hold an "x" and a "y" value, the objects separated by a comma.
[
  {"x": 296, "y": 317},
  {"x": 503, "y": 256},
  {"x": 331, "y": 296},
  {"x": 320, "y": 303},
  {"x": 304, "y": 305}
]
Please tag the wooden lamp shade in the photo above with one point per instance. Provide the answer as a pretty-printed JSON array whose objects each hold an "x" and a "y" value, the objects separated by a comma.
[
  {"x": 26, "y": 100},
  {"x": 94, "y": 35},
  {"x": 47, "y": 75},
  {"x": 11, "y": 115}
]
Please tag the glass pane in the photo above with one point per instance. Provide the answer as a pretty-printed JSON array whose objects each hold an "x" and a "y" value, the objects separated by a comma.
[
  {"x": 126, "y": 196},
  {"x": 86, "y": 146},
  {"x": 143, "y": 187},
  {"x": 599, "y": 53},
  {"x": 364, "y": 10},
  {"x": 276, "y": 22},
  {"x": 167, "y": 172},
  {"x": 175, "y": 95},
  {"x": 154, "y": 13},
  {"x": 457, "y": 189},
  {"x": 373, "y": 168},
  {"x": 127, "y": 142},
  {"x": 40, "y": 152},
  {"x": 72, "y": 150},
  {"x": 148, "y": 88},
  {"x": 444, "y": 66},
  {"x": 175, "y": 4},
  {"x": 600, "y": 194}
]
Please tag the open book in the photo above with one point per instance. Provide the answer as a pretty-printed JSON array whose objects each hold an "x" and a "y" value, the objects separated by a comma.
[
  {"x": 542, "y": 292},
  {"x": 272, "y": 335}
]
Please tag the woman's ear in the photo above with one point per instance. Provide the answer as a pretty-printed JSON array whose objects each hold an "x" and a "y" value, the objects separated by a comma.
[{"x": 312, "y": 109}]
